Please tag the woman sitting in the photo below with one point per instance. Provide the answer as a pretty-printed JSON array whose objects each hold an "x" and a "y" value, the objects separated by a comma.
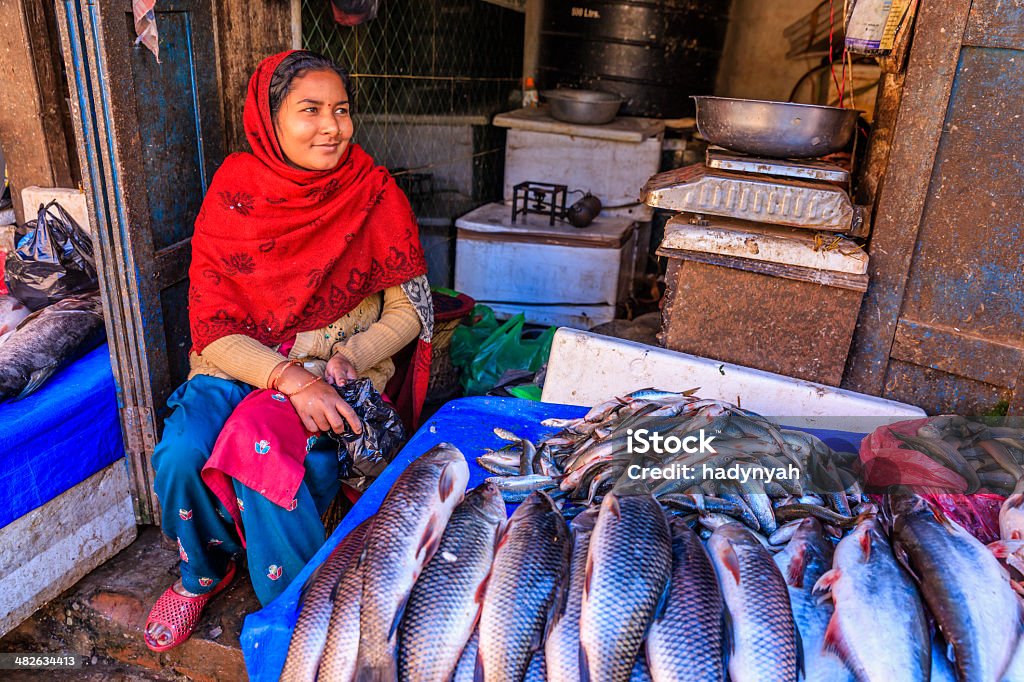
[{"x": 306, "y": 271}]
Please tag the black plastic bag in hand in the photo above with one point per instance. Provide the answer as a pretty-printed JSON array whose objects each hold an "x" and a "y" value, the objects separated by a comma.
[
  {"x": 56, "y": 260},
  {"x": 361, "y": 457}
]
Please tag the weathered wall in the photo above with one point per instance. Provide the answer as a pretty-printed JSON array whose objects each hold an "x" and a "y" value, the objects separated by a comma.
[
  {"x": 32, "y": 106},
  {"x": 246, "y": 33},
  {"x": 754, "y": 63}
]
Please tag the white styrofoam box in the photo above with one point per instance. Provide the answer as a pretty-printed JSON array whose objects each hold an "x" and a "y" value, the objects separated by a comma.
[
  {"x": 533, "y": 263},
  {"x": 612, "y": 161},
  {"x": 586, "y": 369},
  {"x": 72, "y": 200},
  {"x": 576, "y": 317}
]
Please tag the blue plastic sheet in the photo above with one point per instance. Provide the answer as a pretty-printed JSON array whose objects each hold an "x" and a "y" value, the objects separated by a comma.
[
  {"x": 59, "y": 436},
  {"x": 468, "y": 424}
]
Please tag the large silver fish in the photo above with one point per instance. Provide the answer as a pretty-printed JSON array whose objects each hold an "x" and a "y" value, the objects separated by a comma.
[
  {"x": 47, "y": 340},
  {"x": 628, "y": 568},
  {"x": 878, "y": 626},
  {"x": 445, "y": 602},
  {"x": 562, "y": 648},
  {"x": 338, "y": 663},
  {"x": 966, "y": 588},
  {"x": 525, "y": 588},
  {"x": 310, "y": 634},
  {"x": 807, "y": 556},
  {"x": 763, "y": 646},
  {"x": 403, "y": 536},
  {"x": 686, "y": 641}
]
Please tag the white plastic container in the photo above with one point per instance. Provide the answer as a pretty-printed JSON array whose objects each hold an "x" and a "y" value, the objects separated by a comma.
[
  {"x": 586, "y": 369},
  {"x": 556, "y": 275},
  {"x": 612, "y": 161}
]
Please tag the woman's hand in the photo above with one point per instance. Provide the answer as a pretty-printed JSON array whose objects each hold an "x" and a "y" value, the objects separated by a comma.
[
  {"x": 318, "y": 405},
  {"x": 339, "y": 370}
]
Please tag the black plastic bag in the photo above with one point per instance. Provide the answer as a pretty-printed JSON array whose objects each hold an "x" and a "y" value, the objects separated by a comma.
[
  {"x": 362, "y": 457},
  {"x": 55, "y": 261},
  {"x": 354, "y": 12}
]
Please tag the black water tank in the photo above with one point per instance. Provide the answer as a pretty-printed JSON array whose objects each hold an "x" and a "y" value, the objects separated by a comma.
[{"x": 656, "y": 53}]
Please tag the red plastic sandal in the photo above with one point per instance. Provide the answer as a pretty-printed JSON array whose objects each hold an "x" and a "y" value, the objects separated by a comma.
[{"x": 180, "y": 614}]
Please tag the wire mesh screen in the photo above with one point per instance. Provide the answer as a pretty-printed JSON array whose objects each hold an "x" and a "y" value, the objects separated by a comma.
[{"x": 427, "y": 75}]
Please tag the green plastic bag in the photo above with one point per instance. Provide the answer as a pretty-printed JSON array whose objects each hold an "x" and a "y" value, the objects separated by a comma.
[{"x": 484, "y": 361}]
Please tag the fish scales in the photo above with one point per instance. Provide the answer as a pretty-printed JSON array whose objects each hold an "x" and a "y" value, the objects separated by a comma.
[
  {"x": 878, "y": 626},
  {"x": 402, "y": 538},
  {"x": 967, "y": 591},
  {"x": 628, "y": 567},
  {"x": 309, "y": 637},
  {"x": 526, "y": 586},
  {"x": 465, "y": 670},
  {"x": 445, "y": 601},
  {"x": 563, "y": 643},
  {"x": 763, "y": 632},
  {"x": 686, "y": 641},
  {"x": 806, "y": 557},
  {"x": 341, "y": 649}
]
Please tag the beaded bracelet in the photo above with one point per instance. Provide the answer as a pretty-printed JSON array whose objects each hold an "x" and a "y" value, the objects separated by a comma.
[
  {"x": 303, "y": 387},
  {"x": 278, "y": 371}
]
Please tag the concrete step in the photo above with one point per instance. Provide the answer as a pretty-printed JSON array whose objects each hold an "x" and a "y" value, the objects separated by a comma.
[{"x": 102, "y": 617}]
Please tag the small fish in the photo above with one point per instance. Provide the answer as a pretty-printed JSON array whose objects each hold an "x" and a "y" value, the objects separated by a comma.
[
  {"x": 517, "y": 488},
  {"x": 792, "y": 512}
]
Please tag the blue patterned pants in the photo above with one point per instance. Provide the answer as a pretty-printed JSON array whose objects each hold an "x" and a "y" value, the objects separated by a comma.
[{"x": 279, "y": 542}]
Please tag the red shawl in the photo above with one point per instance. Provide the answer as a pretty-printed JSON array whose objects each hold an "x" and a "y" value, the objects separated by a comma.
[{"x": 279, "y": 250}]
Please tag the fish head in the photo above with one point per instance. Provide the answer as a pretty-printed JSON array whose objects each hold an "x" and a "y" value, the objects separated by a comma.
[
  {"x": 486, "y": 500},
  {"x": 537, "y": 502},
  {"x": 585, "y": 521},
  {"x": 442, "y": 453}
]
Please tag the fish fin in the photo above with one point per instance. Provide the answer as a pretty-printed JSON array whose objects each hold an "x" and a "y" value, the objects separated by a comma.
[
  {"x": 999, "y": 549},
  {"x": 835, "y": 643},
  {"x": 941, "y": 517},
  {"x": 587, "y": 574},
  {"x": 901, "y": 556},
  {"x": 584, "y": 665},
  {"x": 865, "y": 547},
  {"x": 399, "y": 612},
  {"x": 446, "y": 483},
  {"x": 613, "y": 506},
  {"x": 795, "y": 574},
  {"x": 827, "y": 580},
  {"x": 799, "y": 652},
  {"x": 731, "y": 561},
  {"x": 36, "y": 380},
  {"x": 728, "y": 636},
  {"x": 431, "y": 539},
  {"x": 1018, "y": 587}
]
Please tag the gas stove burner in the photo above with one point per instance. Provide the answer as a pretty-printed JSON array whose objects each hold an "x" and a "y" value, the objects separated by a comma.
[{"x": 541, "y": 198}]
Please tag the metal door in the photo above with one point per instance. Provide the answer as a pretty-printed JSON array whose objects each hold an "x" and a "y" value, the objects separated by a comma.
[
  {"x": 942, "y": 325},
  {"x": 150, "y": 137}
]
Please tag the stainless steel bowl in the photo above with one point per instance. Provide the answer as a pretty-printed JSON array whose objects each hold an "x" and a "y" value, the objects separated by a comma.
[
  {"x": 774, "y": 129},
  {"x": 588, "y": 107}
]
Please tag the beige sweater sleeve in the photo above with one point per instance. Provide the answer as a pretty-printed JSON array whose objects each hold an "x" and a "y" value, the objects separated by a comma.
[
  {"x": 398, "y": 325},
  {"x": 243, "y": 358}
]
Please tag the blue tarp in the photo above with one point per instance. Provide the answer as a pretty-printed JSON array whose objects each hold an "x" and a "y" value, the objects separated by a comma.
[
  {"x": 468, "y": 424},
  {"x": 59, "y": 436}
]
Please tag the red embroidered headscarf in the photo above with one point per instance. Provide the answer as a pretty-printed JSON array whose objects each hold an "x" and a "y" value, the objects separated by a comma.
[{"x": 278, "y": 250}]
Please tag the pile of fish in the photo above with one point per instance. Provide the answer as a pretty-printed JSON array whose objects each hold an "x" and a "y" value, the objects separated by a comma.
[{"x": 665, "y": 580}]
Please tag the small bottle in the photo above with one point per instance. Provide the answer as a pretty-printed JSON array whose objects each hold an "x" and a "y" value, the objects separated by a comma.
[{"x": 530, "y": 98}]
